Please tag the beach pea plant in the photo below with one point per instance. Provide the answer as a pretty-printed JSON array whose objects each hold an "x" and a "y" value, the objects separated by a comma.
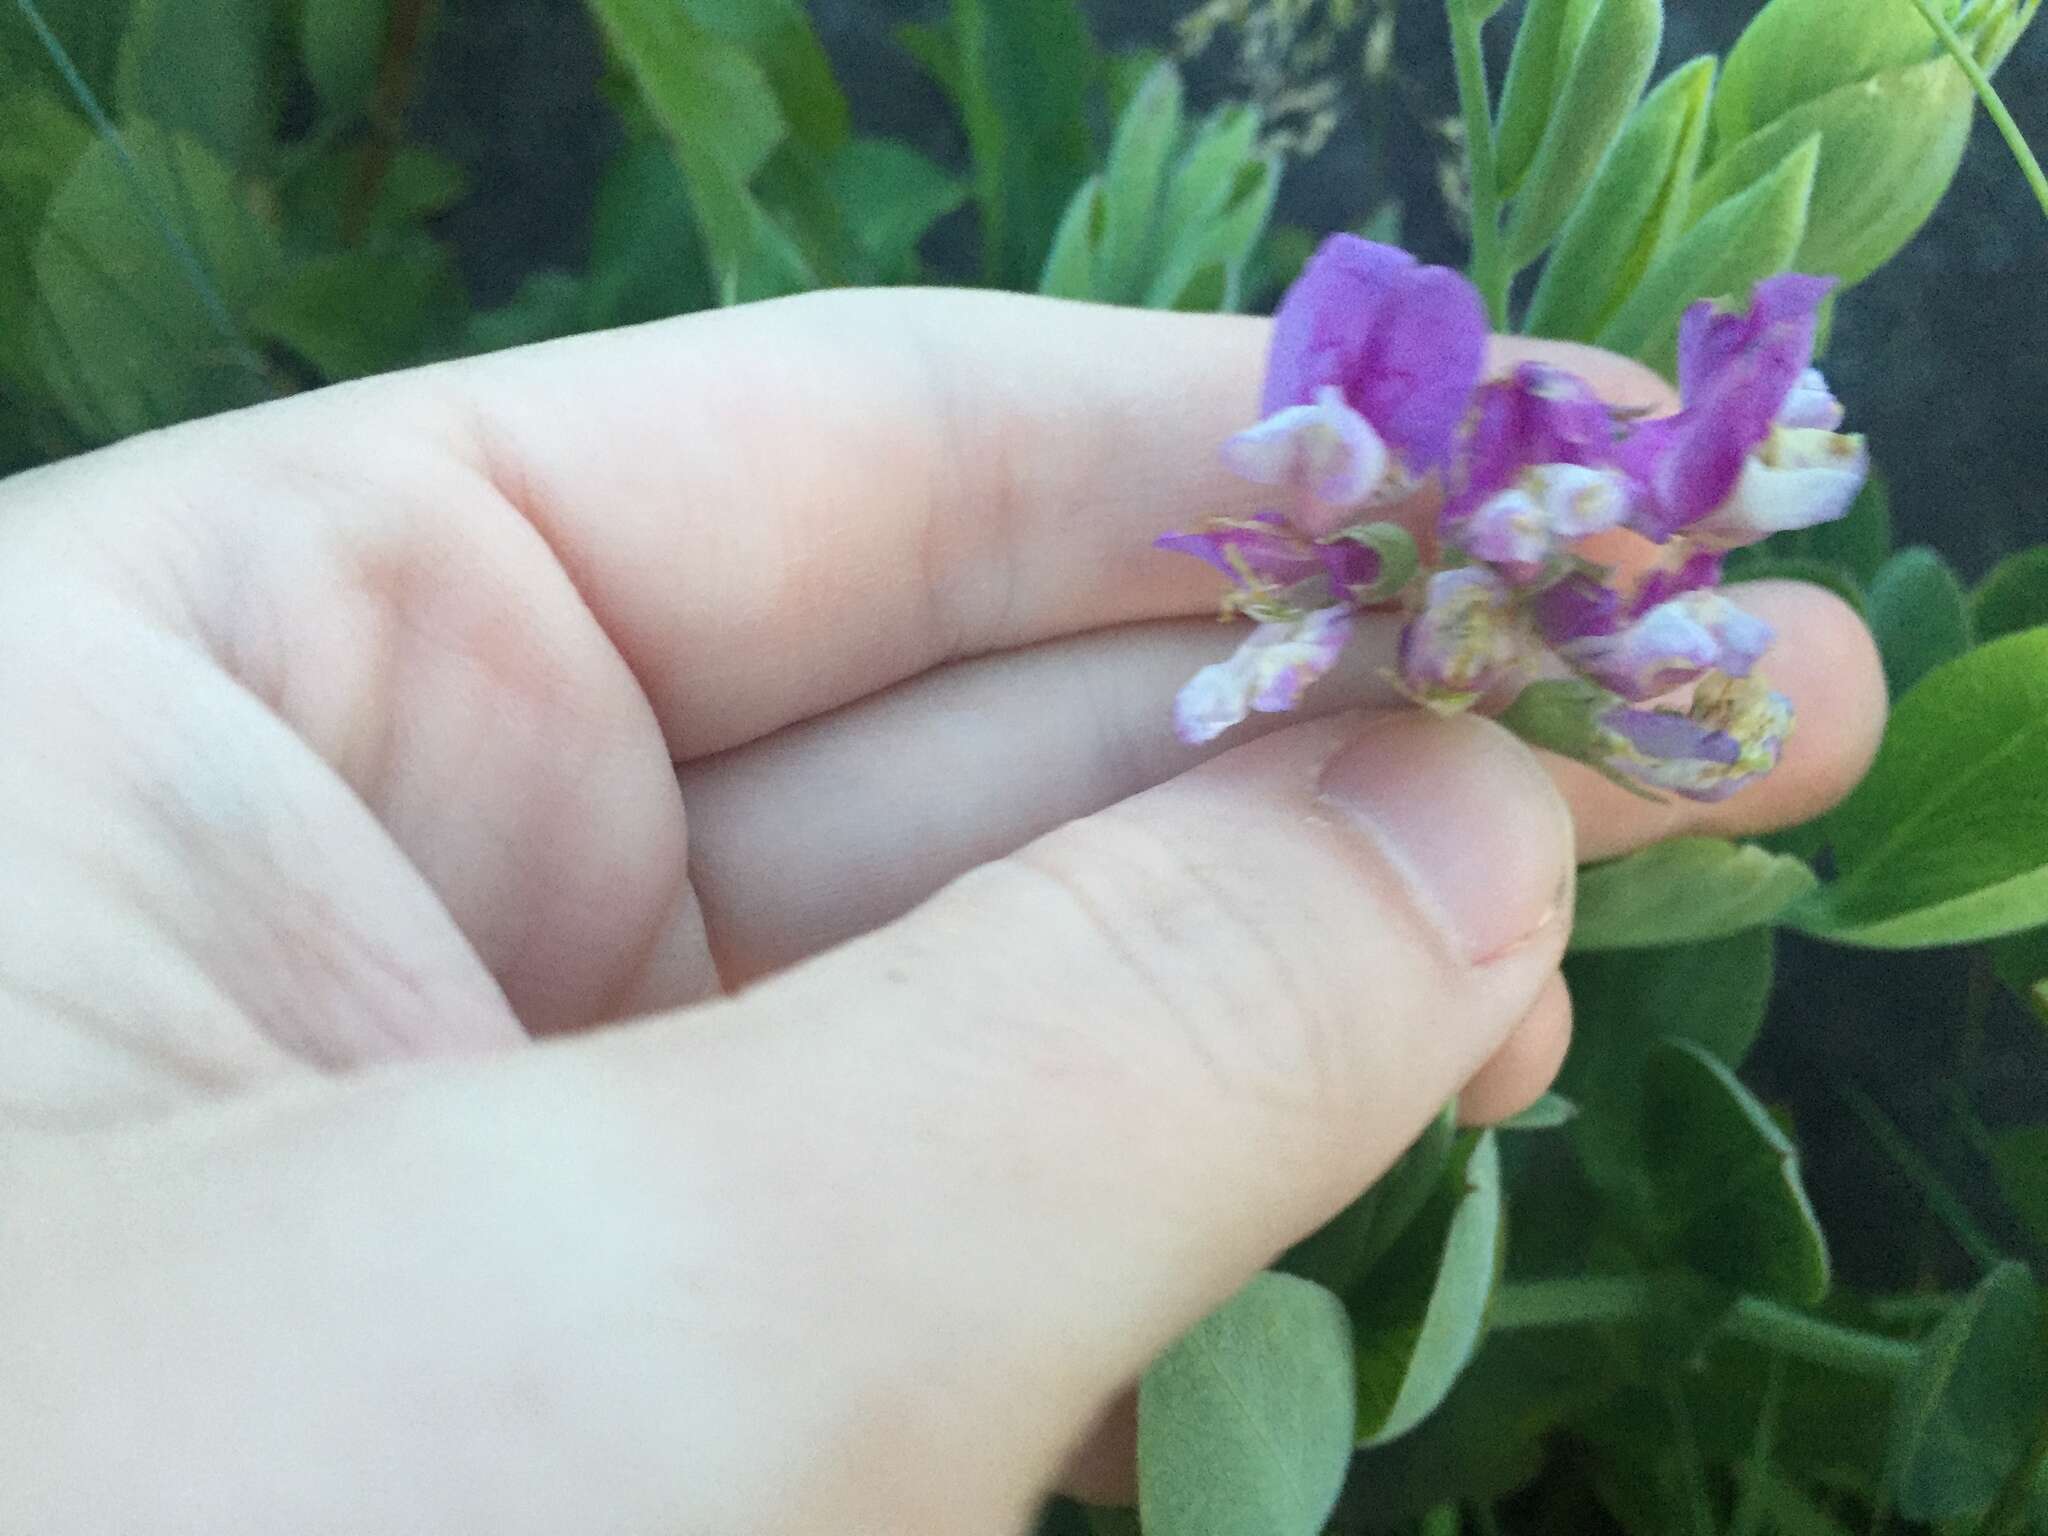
[{"x": 1768, "y": 1260}]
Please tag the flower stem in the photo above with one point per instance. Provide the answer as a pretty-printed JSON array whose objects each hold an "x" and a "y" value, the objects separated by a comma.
[
  {"x": 1574, "y": 1300},
  {"x": 1994, "y": 104},
  {"x": 1489, "y": 263},
  {"x": 1789, "y": 1332}
]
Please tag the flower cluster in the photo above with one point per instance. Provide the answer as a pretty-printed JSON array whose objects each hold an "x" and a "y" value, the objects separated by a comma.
[{"x": 1376, "y": 405}]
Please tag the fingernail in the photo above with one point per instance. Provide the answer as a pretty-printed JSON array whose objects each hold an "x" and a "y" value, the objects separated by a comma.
[{"x": 1468, "y": 818}]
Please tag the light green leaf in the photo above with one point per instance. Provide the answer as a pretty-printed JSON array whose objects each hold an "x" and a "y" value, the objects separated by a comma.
[
  {"x": 1629, "y": 216},
  {"x": 1025, "y": 70},
  {"x": 1145, "y": 137},
  {"x": 1796, "y": 51},
  {"x": 124, "y": 331},
  {"x": 1606, "y": 80},
  {"x": 1964, "y": 1415},
  {"x": 2014, "y": 596},
  {"x": 890, "y": 195},
  {"x": 1205, "y": 179},
  {"x": 40, "y": 142},
  {"x": 1726, "y": 1180},
  {"x": 202, "y": 67},
  {"x": 1749, "y": 237},
  {"x": 1919, "y": 615},
  {"x": 1546, "y": 47},
  {"x": 1889, "y": 147},
  {"x": 1245, "y": 1425},
  {"x": 1342, "y": 1252},
  {"x": 1070, "y": 265},
  {"x": 1683, "y": 891},
  {"x": 1548, "y": 1113},
  {"x": 777, "y": 36},
  {"x": 1946, "y": 840},
  {"x": 1417, "y": 1330},
  {"x": 368, "y": 309},
  {"x": 2021, "y": 1158},
  {"x": 340, "y": 42},
  {"x": 1228, "y": 243}
]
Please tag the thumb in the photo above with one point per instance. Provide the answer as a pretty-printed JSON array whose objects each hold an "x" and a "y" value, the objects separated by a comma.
[{"x": 863, "y": 1249}]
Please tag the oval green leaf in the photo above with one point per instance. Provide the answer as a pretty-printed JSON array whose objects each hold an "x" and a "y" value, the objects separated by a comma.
[
  {"x": 1920, "y": 617},
  {"x": 1070, "y": 265},
  {"x": 1729, "y": 1198},
  {"x": 1548, "y": 1113},
  {"x": 1606, "y": 80},
  {"x": 1749, "y": 237},
  {"x": 1966, "y": 1412},
  {"x": 1245, "y": 1425},
  {"x": 1546, "y": 44},
  {"x": 2014, "y": 596},
  {"x": 1342, "y": 1252},
  {"x": 1682, "y": 891},
  {"x": 1890, "y": 146},
  {"x": 1133, "y": 179},
  {"x": 1635, "y": 207},
  {"x": 1417, "y": 1330},
  {"x": 1794, "y": 51},
  {"x": 1946, "y": 840}
]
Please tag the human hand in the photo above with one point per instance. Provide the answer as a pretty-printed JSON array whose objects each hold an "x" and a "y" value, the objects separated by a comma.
[{"x": 360, "y": 741}]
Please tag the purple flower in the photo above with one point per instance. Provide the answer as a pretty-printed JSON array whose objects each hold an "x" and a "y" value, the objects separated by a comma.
[
  {"x": 1325, "y": 453},
  {"x": 1521, "y": 530},
  {"x": 1269, "y": 673},
  {"x": 1733, "y": 734},
  {"x": 1670, "y": 645},
  {"x": 1751, "y": 395},
  {"x": 1471, "y": 636},
  {"x": 1402, "y": 344},
  {"x": 1260, "y": 553}
]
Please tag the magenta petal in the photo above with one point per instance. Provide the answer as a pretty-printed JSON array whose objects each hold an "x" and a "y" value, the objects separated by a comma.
[
  {"x": 1269, "y": 551},
  {"x": 1541, "y": 415},
  {"x": 1577, "y": 608},
  {"x": 1673, "y": 644},
  {"x": 1404, "y": 343}
]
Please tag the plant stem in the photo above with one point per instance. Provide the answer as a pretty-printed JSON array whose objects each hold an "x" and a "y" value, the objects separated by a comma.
[
  {"x": 1994, "y": 104},
  {"x": 1489, "y": 257},
  {"x": 397, "y": 69},
  {"x": 1921, "y": 1174},
  {"x": 1789, "y": 1332},
  {"x": 1574, "y": 1300}
]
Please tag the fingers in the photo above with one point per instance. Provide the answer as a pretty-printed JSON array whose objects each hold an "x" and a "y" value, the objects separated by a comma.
[
  {"x": 776, "y": 509},
  {"x": 1522, "y": 1070},
  {"x": 883, "y": 1230},
  {"x": 833, "y": 826}
]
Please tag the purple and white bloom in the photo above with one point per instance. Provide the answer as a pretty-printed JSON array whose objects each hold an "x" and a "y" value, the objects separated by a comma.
[
  {"x": 1520, "y": 531},
  {"x": 1733, "y": 734},
  {"x": 1472, "y": 635},
  {"x": 1399, "y": 346},
  {"x": 1325, "y": 453},
  {"x": 1751, "y": 397},
  {"x": 1279, "y": 572},
  {"x": 1670, "y": 645},
  {"x": 1269, "y": 673}
]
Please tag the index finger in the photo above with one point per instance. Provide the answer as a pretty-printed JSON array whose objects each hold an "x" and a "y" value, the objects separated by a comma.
[{"x": 778, "y": 509}]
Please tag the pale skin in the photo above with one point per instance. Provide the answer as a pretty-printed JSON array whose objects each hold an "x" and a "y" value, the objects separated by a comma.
[{"x": 792, "y": 684}]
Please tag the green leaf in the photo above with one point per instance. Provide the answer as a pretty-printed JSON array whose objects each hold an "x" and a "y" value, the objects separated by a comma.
[
  {"x": 1964, "y": 1415},
  {"x": 1634, "y": 209},
  {"x": 1726, "y": 1180},
  {"x": 1343, "y": 1251},
  {"x": 1856, "y": 545},
  {"x": 340, "y": 43},
  {"x": 1071, "y": 264},
  {"x": 124, "y": 331},
  {"x": 1245, "y": 1425},
  {"x": 1546, "y": 47},
  {"x": 1749, "y": 237},
  {"x": 1946, "y": 840},
  {"x": 547, "y": 305},
  {"x": 1205, "y": 180},
  {"x": 40, "y": 143},
  {"x": 646, "y": 262},
  {"x": 1145, "y": 137},
  {"x": 1889, "y": 147},
  {"x": 1682, "y": 891},
  {"x": 723, "y": 122},
  {"x": 1548, "y": 1113},
  {"x": 1417, "y": 1331},
  {"x": 1796, "y": 51},
  {"x": 1228, "y": 242},
  {"x": 1606, "y": 80},
  {"x": 1624, "y": 1002},
  {"x": 89, "y": 31},
  {"x": 777, "y": 36},
  {"x": 417, "y": 185},
  {"x": 1025, "y": 69},
  {"x": 890, "y": 195},
  {"x": 1919, "y": 615},
  {"x": 2014, "y": 596},
  {"x": 367, "y": 310},
  {"x": 202, "y": 67},
  {"x": 2021, "y": 1158}
]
